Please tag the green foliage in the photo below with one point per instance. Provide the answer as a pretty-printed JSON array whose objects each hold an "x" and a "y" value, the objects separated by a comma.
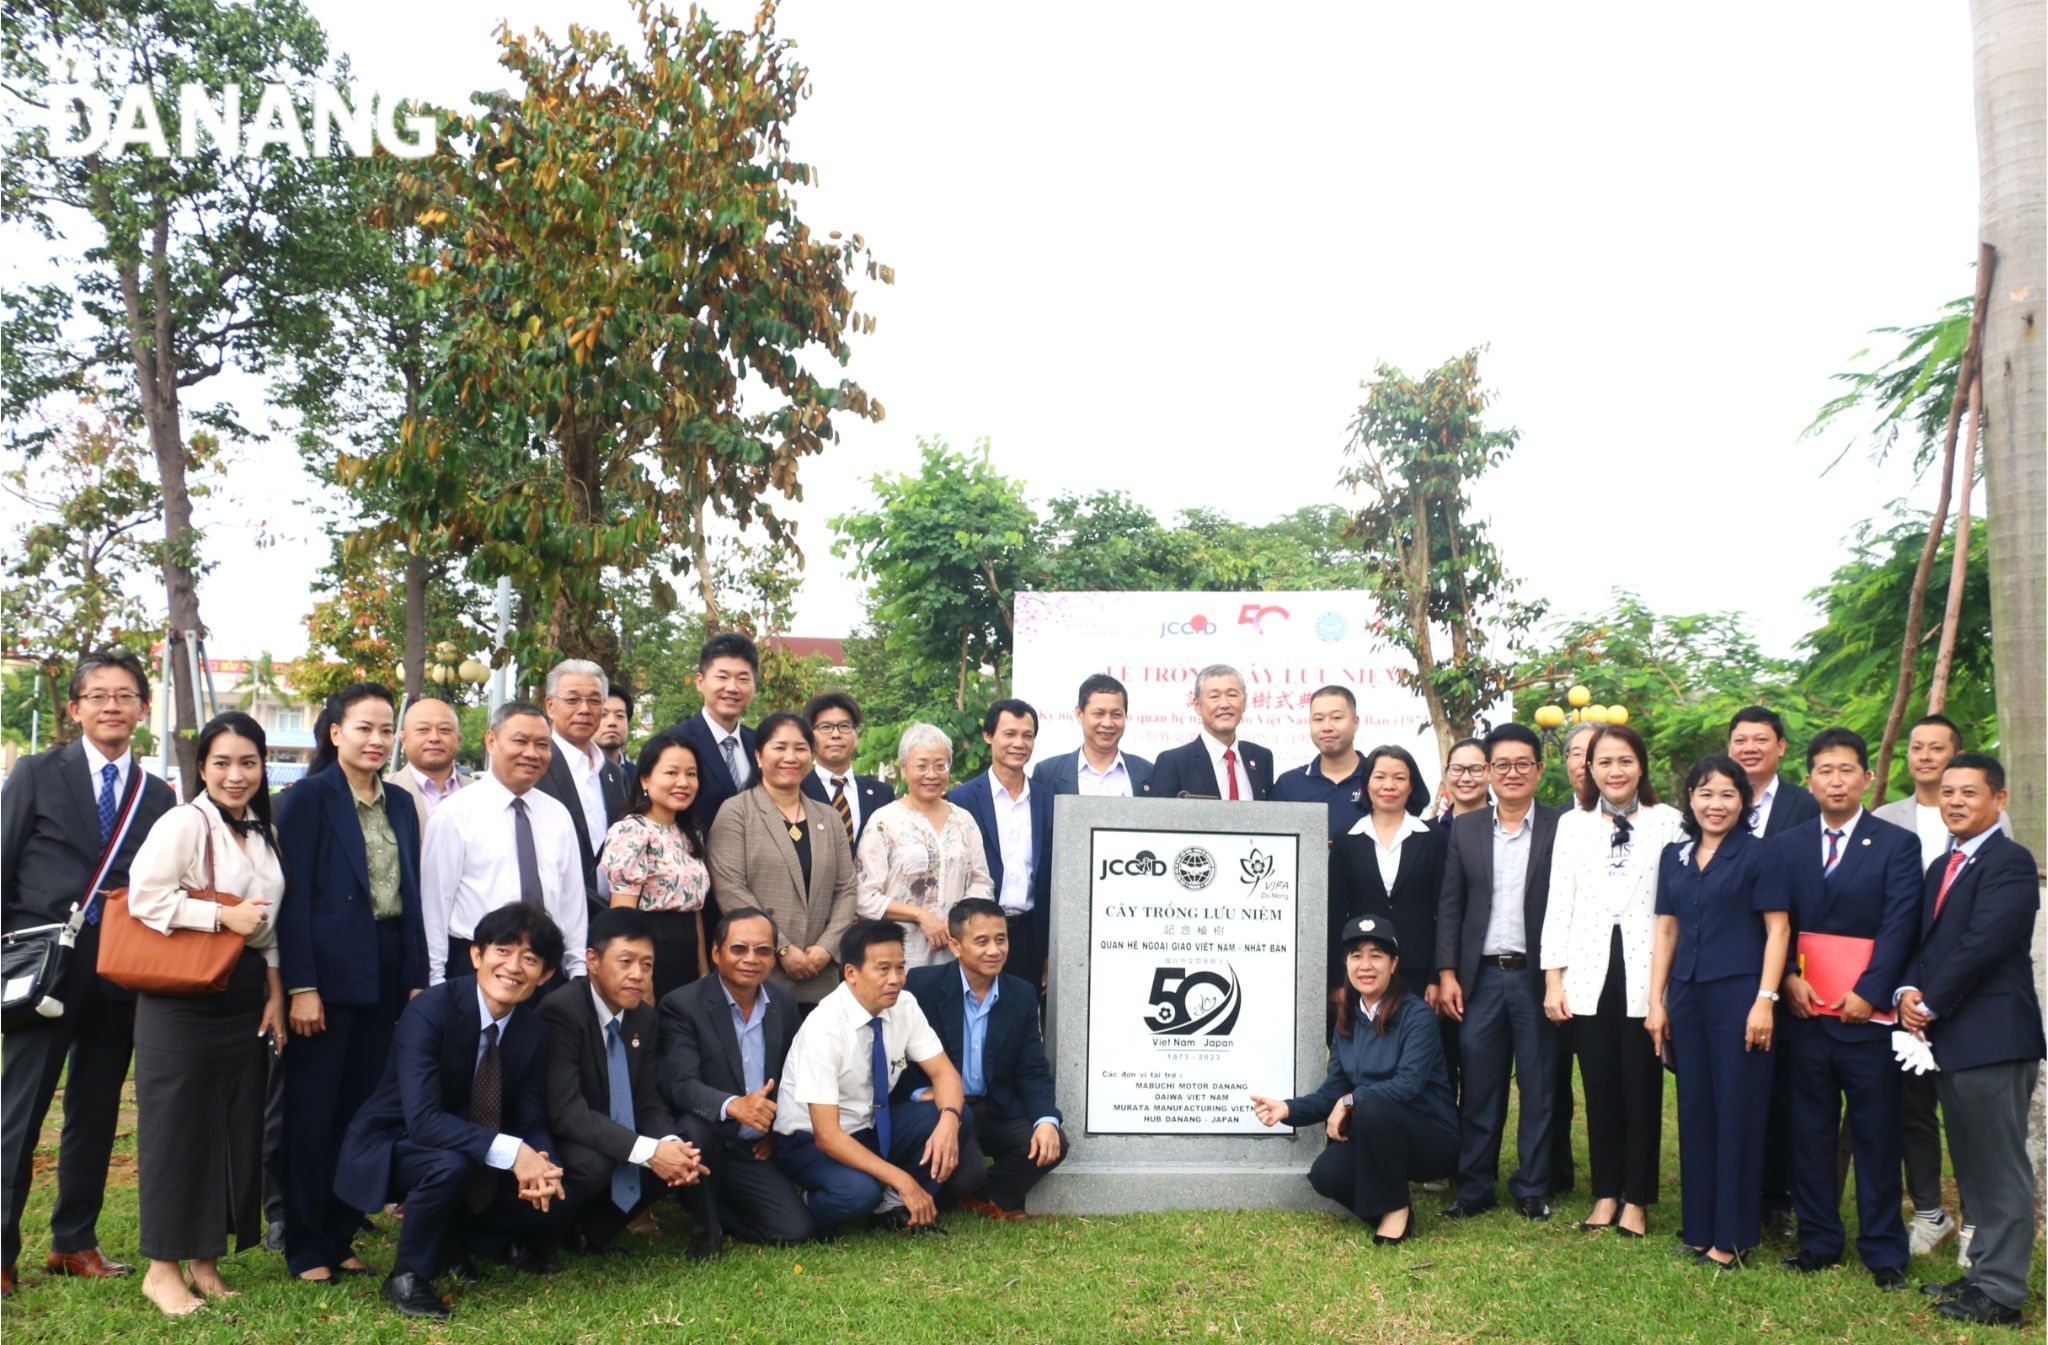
[
  {"x": 1109, "y": 542},
  {"x": 1911, "y": 391},
  {"x": 1682, "y": 678}
]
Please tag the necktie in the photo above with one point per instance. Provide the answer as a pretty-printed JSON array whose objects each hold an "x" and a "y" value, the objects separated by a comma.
[
  {"x": 529, "y": 858},
  {"x": 109, "y": 805},
  {"x": 1827, "y": 867},
  {"x": 879, "y": 1062},
  {"x": 730, "y": 749},
  {"x": 1956, "y": 860},
  {"x": 625, "y": 1176},
  {"x": 486, "y": 1108},
  {"x": 1230, "y": 769},
  {"x": 840, "y": 806}
]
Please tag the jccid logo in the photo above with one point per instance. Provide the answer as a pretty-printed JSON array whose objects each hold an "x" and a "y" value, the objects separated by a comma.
[
  {"x": 1144, "y": 864},
  {"x": 82, "y": 120}
]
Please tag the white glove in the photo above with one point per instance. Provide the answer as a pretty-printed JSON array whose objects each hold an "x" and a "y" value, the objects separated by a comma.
[{"x": 1915, "y": 1054}]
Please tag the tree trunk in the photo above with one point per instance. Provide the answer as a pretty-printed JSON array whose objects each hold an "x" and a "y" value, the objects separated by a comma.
[
  {"x": 700, "y": 556},
  {"x": 2010, "y": 38},
  {"x": 1415, "y": 564},
  {"x": 415, "y": 626},
  {"x": 1959, "y": 567},
  {"x": 573, "y": 630}
]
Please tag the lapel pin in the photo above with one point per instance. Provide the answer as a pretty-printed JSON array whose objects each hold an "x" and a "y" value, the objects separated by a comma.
[
  {"x": 636, "y": 1043},
  {"x": 1866, "y": 840}
]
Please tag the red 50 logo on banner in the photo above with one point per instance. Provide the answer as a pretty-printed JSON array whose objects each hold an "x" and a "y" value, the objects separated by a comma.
[{"x": 1253, "y": 615}]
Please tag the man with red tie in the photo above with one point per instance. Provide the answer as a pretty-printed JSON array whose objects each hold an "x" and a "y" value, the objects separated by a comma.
[
  {"x": 1217, "y": 764},
  {"x": 1969, "y": 990}
]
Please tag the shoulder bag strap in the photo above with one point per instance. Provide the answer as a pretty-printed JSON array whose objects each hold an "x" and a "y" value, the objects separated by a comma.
[{"x": 121, "y": 824}]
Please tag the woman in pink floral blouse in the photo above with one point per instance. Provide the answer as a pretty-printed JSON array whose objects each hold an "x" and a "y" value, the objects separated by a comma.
[{"x": 655, "y": 860}]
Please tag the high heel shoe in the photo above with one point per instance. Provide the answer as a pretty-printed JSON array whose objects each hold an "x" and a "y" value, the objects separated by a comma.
[
  {"x": 1382, "y": 1240},
  {"x": 1590, "y": 1227}
]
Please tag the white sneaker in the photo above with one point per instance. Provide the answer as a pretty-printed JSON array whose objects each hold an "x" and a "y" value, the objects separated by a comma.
[
  {"x": 1963, "y": 1245},
  {"x": 1925, "y": 1234}
]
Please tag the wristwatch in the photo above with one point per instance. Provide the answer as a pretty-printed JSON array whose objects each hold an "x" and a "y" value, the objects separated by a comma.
[
  {"x": 1770, "y": 995},
  {"x": 783, "y": 951}
]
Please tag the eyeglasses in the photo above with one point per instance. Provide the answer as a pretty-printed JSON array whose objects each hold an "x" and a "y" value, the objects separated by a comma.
[
  {"x": 1466, "y": 772},
  {"x": 936, "y": 768},
  {"x": 757, "y": 949},
  {"x": 96, "y": 699},
  {"x": 579, "y": 702},
  {"x": 1521, "y": 767},
  {"x": 835, "y": 728}
]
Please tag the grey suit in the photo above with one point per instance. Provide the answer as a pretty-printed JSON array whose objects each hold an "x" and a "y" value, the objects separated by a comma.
[{"x": 753, "y": 863}]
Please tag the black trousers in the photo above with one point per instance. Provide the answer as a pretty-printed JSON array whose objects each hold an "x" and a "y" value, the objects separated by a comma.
[
  {"x": 1778, "y": 1142},
  {"x": 95, "y": 1037},
  {"x": 1027, "y": 959},
  {"x": 745, "y": 1196},
  {"x": 1920, "y": 1139},
  {"x": 1391, "y": 1145},
  {"x": 587, "y": 1187},
  {"x": 1505, "y": 1034},
  {"x": 1624, "y": 1093},
  {"x": 327, "y": 1077},
  {"x": 1007, "y": 1140},
  {"x": 675, "y": 949},
  {"x": 434, "y": 1185},
  {"x": 1564, "y": 1168}
]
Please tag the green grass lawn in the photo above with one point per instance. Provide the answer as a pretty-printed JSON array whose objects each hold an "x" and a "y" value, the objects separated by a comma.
[{"x": 1195, "y": 1276}]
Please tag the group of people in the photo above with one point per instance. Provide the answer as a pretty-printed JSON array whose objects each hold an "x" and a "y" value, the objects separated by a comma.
[{"x": 520, "y": 1008}]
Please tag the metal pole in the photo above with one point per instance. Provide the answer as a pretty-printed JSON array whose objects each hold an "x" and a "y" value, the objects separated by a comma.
[
  {"x": 163, "y": 741},
  {"x": 35, "y": 714},
  {"x": 501, "y": 679}
]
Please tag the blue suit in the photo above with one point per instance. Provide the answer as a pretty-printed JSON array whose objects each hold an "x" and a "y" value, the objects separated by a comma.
[
  {"x": 714, "y": 782},
  {"x": 363, "y": 969},
  {"x": 1030, "y": 942},
  {"x": 1873, "y": 893},
  {"x": 413, "y": 1140},
  {"x": 1062, "y": 774}
]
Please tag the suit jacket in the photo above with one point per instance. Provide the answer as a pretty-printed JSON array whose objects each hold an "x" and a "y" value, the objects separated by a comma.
[
  {"x": 978, "y": 797},
  {"x": 559, "y": 785},
  {"x": 1791, "y": 805},
  {"x": 1578, "y": 921},
  {"x": 1874, "y": 893},
  {"x": 1062, "y": 774},
  {"x": 1187, "y": 770},
  {"x": 714, "y": 782},
  {"x": 401, "y": 779},
  {"x": 1467, "y": 902},
  {"x": 1014, "y": 1072},
  {"x": 424, "y": 1098},
  {"x": 1975, "y": 963},
  {"x": 871, "y": 792},
  {"x": 700, "y": 1050},
  {"x": 1900, "y": 813},
  {"x": 579, "y": 1087},
  {"x": 1356, "y": 889},
  {"x": 326, "y": 934},
  {"x": 754, "y": 864},
  {"x": 50, "y": 842}
]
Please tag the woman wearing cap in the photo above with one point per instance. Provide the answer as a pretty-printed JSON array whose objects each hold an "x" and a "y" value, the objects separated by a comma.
[{"x": 1386, "y": 1104}]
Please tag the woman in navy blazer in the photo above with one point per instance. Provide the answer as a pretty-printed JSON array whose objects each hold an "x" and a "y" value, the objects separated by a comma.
[
  {"x": 352, "y": 950},
  {"x": 1720, "y": 952}
]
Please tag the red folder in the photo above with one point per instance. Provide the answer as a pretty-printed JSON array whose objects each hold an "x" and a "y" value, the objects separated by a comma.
[{"x": 1832, "y": 964}]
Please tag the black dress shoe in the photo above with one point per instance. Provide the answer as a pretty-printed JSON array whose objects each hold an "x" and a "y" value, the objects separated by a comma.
[
  {"x": 1808, "y": 1263},
  {"x": 1780, "y": 1224},
  {"x": 1534, "y": 1207},
  {"x": 273, "y": 1236},
  {"x": 529, "y": 1260},
  {"x": 1709, "y": 1263},
  {"x": 706, "y": 1244},
  {"x": 464, "y": 1272},
  {"x": 1953, "y": 1289},
  {"x": 1466, "y": 1209},
  {"x": 1974, "y": 1305},
  {"x": 1889, "y": 1278},
  {"x": 581, "y": 1243},
  {"x": 413, "y": 1296},
  {"x": 898, "y": 1220}
]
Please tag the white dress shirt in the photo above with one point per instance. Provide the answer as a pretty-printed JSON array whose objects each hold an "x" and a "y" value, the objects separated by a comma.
[
  {"x": 743, "y": 765},
  {"x": 1114, "y": 783},
  {"x": 826, "y": 778},
  {"x": 1760, "y": 811},
  {"x": 1506, "y": 923},
  {"x": 832, "y": 1059},
  {"x": 1013, "y": 842},
  {"x": 586, "y": 768},
  {"x": 470, "y": 867},
  {"x": 1932, "y": 829},
  {"x": 1848, "y": 830},
  {"x": 96, "y": 761},
  {"x": 1389, "y": 857},
  {"x": 1216, "y": 748}
]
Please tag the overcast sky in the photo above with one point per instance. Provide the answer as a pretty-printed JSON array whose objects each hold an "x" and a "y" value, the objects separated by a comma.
[{"x": 1155, "y": 248}]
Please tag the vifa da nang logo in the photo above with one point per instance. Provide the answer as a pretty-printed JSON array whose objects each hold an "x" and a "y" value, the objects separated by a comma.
[{"x": 1198, "y": 1004}]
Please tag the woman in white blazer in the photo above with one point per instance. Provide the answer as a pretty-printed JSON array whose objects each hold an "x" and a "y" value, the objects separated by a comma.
[{"x": 1597, "y": 935}]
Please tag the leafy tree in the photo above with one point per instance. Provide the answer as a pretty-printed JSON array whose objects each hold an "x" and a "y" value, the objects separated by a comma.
[
  {"x": 1912, "y": 391},
  {"x": 1414, "y": 448},
  {"x": 197, "y": 263}
]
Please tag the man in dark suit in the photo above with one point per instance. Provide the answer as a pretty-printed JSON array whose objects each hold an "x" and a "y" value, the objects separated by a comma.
[
  {"x": 1098, "y": 766},
  {"x": 1015, "y": 821},
  {"x": 1489, "y": 921},
  {"x": 834, "y": 718},
  {"x": 614, "y": 730},
  {"x": 1969, "y": 988},
  {"x": 728, "y": 673},
  {"x": 723, "y": 1040},
  {"x": 988, "y": 1021},
  {"x": 620, "y": 1151},
  {"x": 580, "y": 776},
  {"x": 1216, "y": 765},
  {"x": 58, "y": 815},
  {"x": 1756, "y": 742},
  {"x": 1845, "y": 875},
  {"x": 457, "y": 1132}
]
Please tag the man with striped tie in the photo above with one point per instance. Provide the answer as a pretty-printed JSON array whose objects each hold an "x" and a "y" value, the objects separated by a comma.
[{"x": 834, "y": 718}]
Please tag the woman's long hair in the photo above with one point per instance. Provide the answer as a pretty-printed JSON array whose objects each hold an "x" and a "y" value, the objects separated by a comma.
[
  {"x": 242, "y": 726},
  {"x": 1589, "y": 792},
  {"x": 1707, "y": 766},
  {"x": 650, "y": 756},
  {"x": 333, "y": 712},
  {"x": 1390, "y": 1004}
]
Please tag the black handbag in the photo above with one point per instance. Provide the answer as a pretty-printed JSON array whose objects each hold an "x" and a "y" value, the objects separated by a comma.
[{"x": 34, "y": 961}]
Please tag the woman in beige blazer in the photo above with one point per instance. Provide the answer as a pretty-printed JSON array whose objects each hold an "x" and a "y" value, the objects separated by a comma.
[
  {"x": 1597, "y": 934},
  {"x": 777, "y": 849}
]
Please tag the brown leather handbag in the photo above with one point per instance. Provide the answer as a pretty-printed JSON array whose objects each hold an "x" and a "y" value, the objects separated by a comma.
[{"x": 186, "y": 963}]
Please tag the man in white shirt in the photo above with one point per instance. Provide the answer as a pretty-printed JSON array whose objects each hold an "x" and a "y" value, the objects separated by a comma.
[
  {"x": 837, "y": 1134},
  {"x": 498, "y": 840},
  {"x": 579, "y": 775},
  {"x": 1099, "y": 767},
  {"x": 1015, "y": 821}
]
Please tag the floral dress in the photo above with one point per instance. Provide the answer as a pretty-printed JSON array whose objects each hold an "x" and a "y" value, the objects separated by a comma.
[
  {"x": 650, "y": 860},
  {"x": 902, "y": 858}
]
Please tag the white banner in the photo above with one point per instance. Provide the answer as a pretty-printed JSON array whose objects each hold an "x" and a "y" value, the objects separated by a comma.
[
  {"x": 1285, "y": 644},
  {"x": 1191, "y": 979}
]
